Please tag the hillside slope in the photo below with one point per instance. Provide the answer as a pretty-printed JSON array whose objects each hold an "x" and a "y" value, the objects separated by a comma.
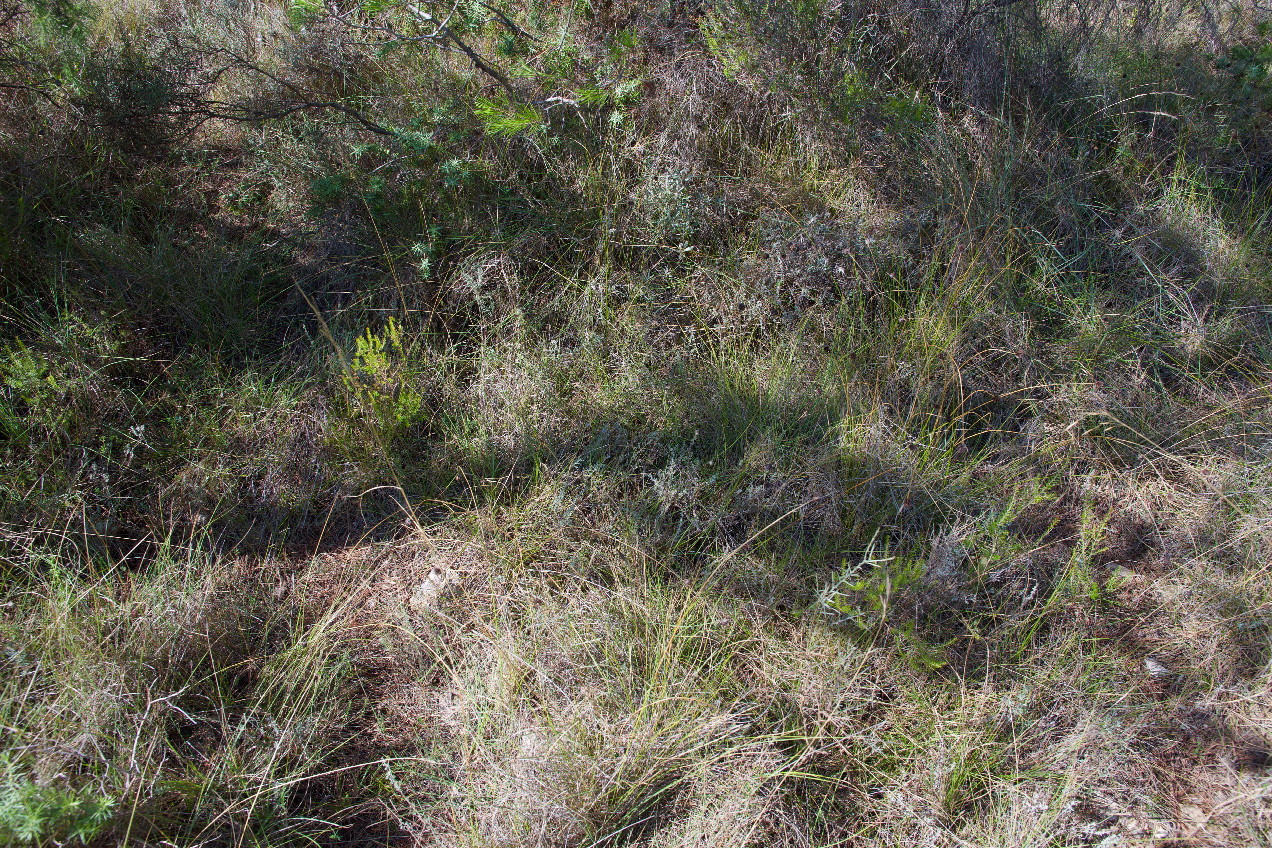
[{"x": 705, "y": 422}]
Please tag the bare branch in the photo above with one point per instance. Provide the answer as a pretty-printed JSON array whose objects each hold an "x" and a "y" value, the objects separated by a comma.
[
  {"x": 508, "y": 22},
  {"x": 442, "y": 32}
]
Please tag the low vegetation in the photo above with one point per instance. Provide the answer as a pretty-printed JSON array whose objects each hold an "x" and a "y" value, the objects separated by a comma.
[{"x": 635, "y": 422}]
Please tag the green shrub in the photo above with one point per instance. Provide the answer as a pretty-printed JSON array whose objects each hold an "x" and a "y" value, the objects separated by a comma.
[
  {"x": 1248, "y": 64},
  {"x": 47, "y": 815}
]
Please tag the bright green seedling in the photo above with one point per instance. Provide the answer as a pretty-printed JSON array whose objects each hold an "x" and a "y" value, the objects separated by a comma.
[
  {"x": 862, "y": 591},
  {"x": 380, "y": 382}
]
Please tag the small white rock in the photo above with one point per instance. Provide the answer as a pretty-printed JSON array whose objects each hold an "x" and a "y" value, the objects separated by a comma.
[{"x": 428, "y": 590}]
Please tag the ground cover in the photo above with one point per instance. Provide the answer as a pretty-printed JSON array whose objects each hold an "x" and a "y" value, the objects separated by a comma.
[{"x": 738, "y": 422}]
